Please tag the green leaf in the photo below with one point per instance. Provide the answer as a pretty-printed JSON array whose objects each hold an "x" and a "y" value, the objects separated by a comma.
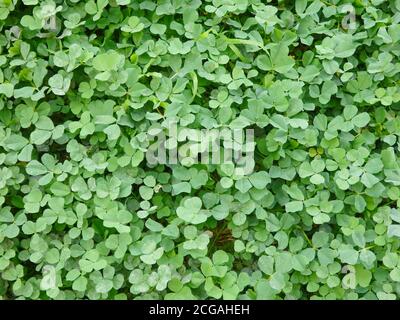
[
  {"x": 15, "y": 142},
  {"x": 109, "y": 61},
  {"x": 113, "y": 132},
  {"x": 277, "y": 281},
  {"x": 35, "y": 168},
  {"x": 190, "y": 211},
  {"x": 277, "y": 59},
  {"x": 348, "y": 255},
  {"x": 266, "y": 264}
]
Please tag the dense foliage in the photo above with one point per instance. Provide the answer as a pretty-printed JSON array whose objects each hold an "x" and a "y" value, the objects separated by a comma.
[{"x": 83, "y": 215}]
